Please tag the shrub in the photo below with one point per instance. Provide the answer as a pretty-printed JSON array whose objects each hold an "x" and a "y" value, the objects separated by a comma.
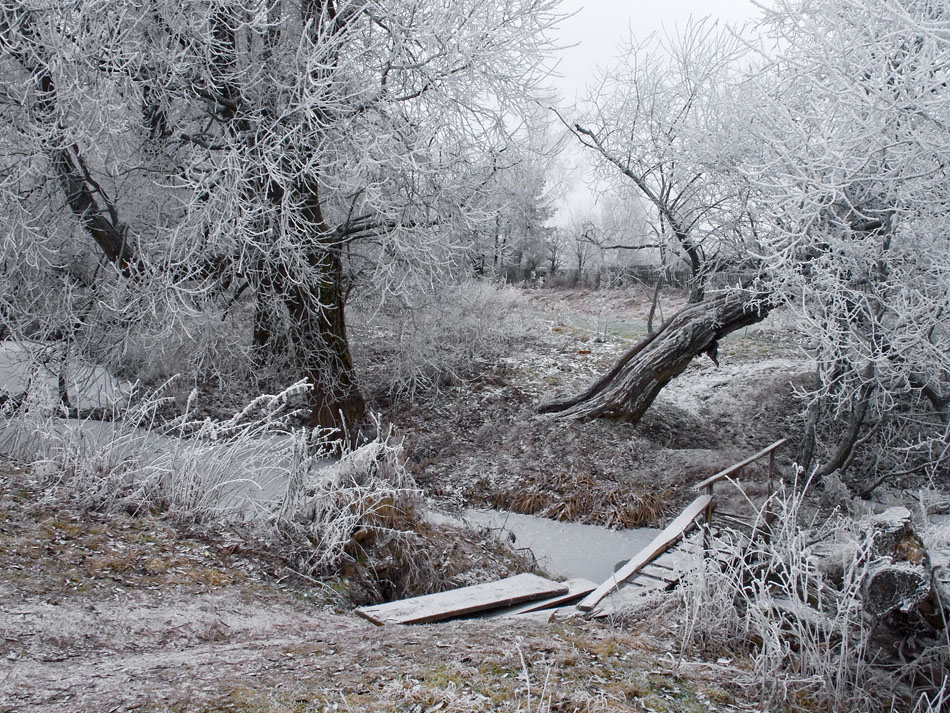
[
  {"x": 421, "y": 344},
  {"x": 253, "y": 473}
]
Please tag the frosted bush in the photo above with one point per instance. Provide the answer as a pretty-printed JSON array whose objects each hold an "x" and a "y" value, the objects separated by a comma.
[
  {"x": 796, "y": 603},
  {"x": 335, "y": 512},
  {"x": 427, "y": 341}
]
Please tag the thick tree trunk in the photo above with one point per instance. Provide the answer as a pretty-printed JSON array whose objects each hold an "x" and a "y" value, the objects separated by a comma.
[
  {"x": 303, "y": 324},
  {"x": 301, "y": 318},
  {"x": 319, "y": 325},
  {"x": 318, "y": 322},
  {"x": 631, "y": 386}
]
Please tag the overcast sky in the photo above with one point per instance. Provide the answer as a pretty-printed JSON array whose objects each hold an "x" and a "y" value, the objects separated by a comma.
[
  {"x": 596, "y": 27},
  {"x": 591, "y": 37}
]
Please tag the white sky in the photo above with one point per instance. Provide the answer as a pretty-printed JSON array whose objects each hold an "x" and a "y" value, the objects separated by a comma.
[
  {"x": 596, "y": 27},
  {"x": 592, "y": 35}
]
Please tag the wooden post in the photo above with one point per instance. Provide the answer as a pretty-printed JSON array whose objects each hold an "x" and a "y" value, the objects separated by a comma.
[
  {"x": 707, "y": 528},
  {"x": 771, "y": 471}
]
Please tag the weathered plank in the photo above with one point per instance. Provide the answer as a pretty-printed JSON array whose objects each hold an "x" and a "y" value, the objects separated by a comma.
[
  {"x": 661, "y": 574},
  {"x": 576, "y": 588},
  {"x": 552, "y": 615},
  {"x": 657, "y": 546},
  {"x": 466, "y": 600}
]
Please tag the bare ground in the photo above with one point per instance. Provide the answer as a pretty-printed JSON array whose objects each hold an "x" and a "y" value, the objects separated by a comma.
[
  {"x": 482, "y": 442},
  {"x": 119, "y": 612}
]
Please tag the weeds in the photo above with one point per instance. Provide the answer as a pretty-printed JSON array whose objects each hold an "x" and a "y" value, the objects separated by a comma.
[
  {"x": 254, "y": 474},
  {"x": 423, "y": 343},
  {"x": 801, "y": 618},
  {"x": 582, "y": 499}
]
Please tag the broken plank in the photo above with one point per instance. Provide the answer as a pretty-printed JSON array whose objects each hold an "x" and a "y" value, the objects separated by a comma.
[
  {"x": 576, "y": 588},
  {"x": 549, "y": 616},
  {"x": 466, "y": 600},
  {"x": 657, "y": 546},
  {"x": 662, "y": 575}
]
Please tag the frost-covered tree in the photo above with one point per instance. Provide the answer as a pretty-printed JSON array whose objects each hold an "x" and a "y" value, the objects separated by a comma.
[
  {"x": 520, "y": 191},
  {"x": 654, "y": 120},
  {"x": 846, "y": 159},
  {"x": 648, "y": 119},
  {"x": 828, "y": 155},
  {"x": 164, "y": 159}
]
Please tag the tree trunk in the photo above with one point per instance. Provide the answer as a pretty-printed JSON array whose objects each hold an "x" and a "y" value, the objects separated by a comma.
[
  {"x": 654, "y": 304},
  {"x": 631, "y": 386},
  {"x": 101, "y": 223},
  {"x": 318, "y": 324}
]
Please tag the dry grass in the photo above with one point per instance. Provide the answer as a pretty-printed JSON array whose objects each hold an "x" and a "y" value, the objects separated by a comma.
[
  {"x": 358, "y": 518},
  {"x": 582, "y": 499},
  {"x": 433, "y": 339},
  {"x": 96, "y": 599},
  {"x": 799, "y": 620}
]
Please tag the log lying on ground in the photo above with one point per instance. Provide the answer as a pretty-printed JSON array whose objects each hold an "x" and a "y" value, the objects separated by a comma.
[{"x": 631, "y": 386}]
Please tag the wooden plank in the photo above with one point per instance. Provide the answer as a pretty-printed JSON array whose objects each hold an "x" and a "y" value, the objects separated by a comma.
[
  {"x": 657, "y": 546},
  {"x": 466, "y": 600},
  {"x": 741, "y": 464},
  {"x": 548, "y": 616},
  {"x": 576, "y": 588},
  {"x": 663, "y": 574}
]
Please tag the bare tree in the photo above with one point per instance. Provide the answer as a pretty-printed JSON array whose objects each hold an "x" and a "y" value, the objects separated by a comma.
[{"x": 647, "y": 118}]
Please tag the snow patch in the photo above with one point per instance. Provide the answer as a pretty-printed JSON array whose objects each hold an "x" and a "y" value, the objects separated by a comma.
[{"x": 37, "y": 368}]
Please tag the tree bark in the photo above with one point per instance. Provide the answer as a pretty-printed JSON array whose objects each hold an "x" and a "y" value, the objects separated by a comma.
[
  {"x": 631, "y": 386},
  {"x": 318, "y": 326}
]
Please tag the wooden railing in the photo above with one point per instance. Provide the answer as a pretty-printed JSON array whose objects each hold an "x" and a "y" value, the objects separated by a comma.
[{"x": 711, "y": 481}]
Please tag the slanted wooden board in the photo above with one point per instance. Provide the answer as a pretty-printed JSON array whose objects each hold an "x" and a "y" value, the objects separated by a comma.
[
  {"x": 576, "y": 588},
  {"x": 657, "y": 546},
  {"x": 458, "y": 602}
]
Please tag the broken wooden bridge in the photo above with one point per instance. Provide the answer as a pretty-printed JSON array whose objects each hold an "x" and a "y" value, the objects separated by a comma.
[{"x": 655, "y": 568}]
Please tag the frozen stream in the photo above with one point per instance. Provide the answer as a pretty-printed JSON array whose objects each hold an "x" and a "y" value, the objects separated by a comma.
[
  {"x": 255, "y": 476},
  {"x": 252, "y": 476},
  {"x": 566, "y": 549}
]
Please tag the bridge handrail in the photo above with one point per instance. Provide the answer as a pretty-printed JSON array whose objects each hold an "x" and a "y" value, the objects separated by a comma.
[{"x": 767, "y": 451}]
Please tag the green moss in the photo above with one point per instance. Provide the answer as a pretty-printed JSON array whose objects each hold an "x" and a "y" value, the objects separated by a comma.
[{"x": 445, "y": 675}]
